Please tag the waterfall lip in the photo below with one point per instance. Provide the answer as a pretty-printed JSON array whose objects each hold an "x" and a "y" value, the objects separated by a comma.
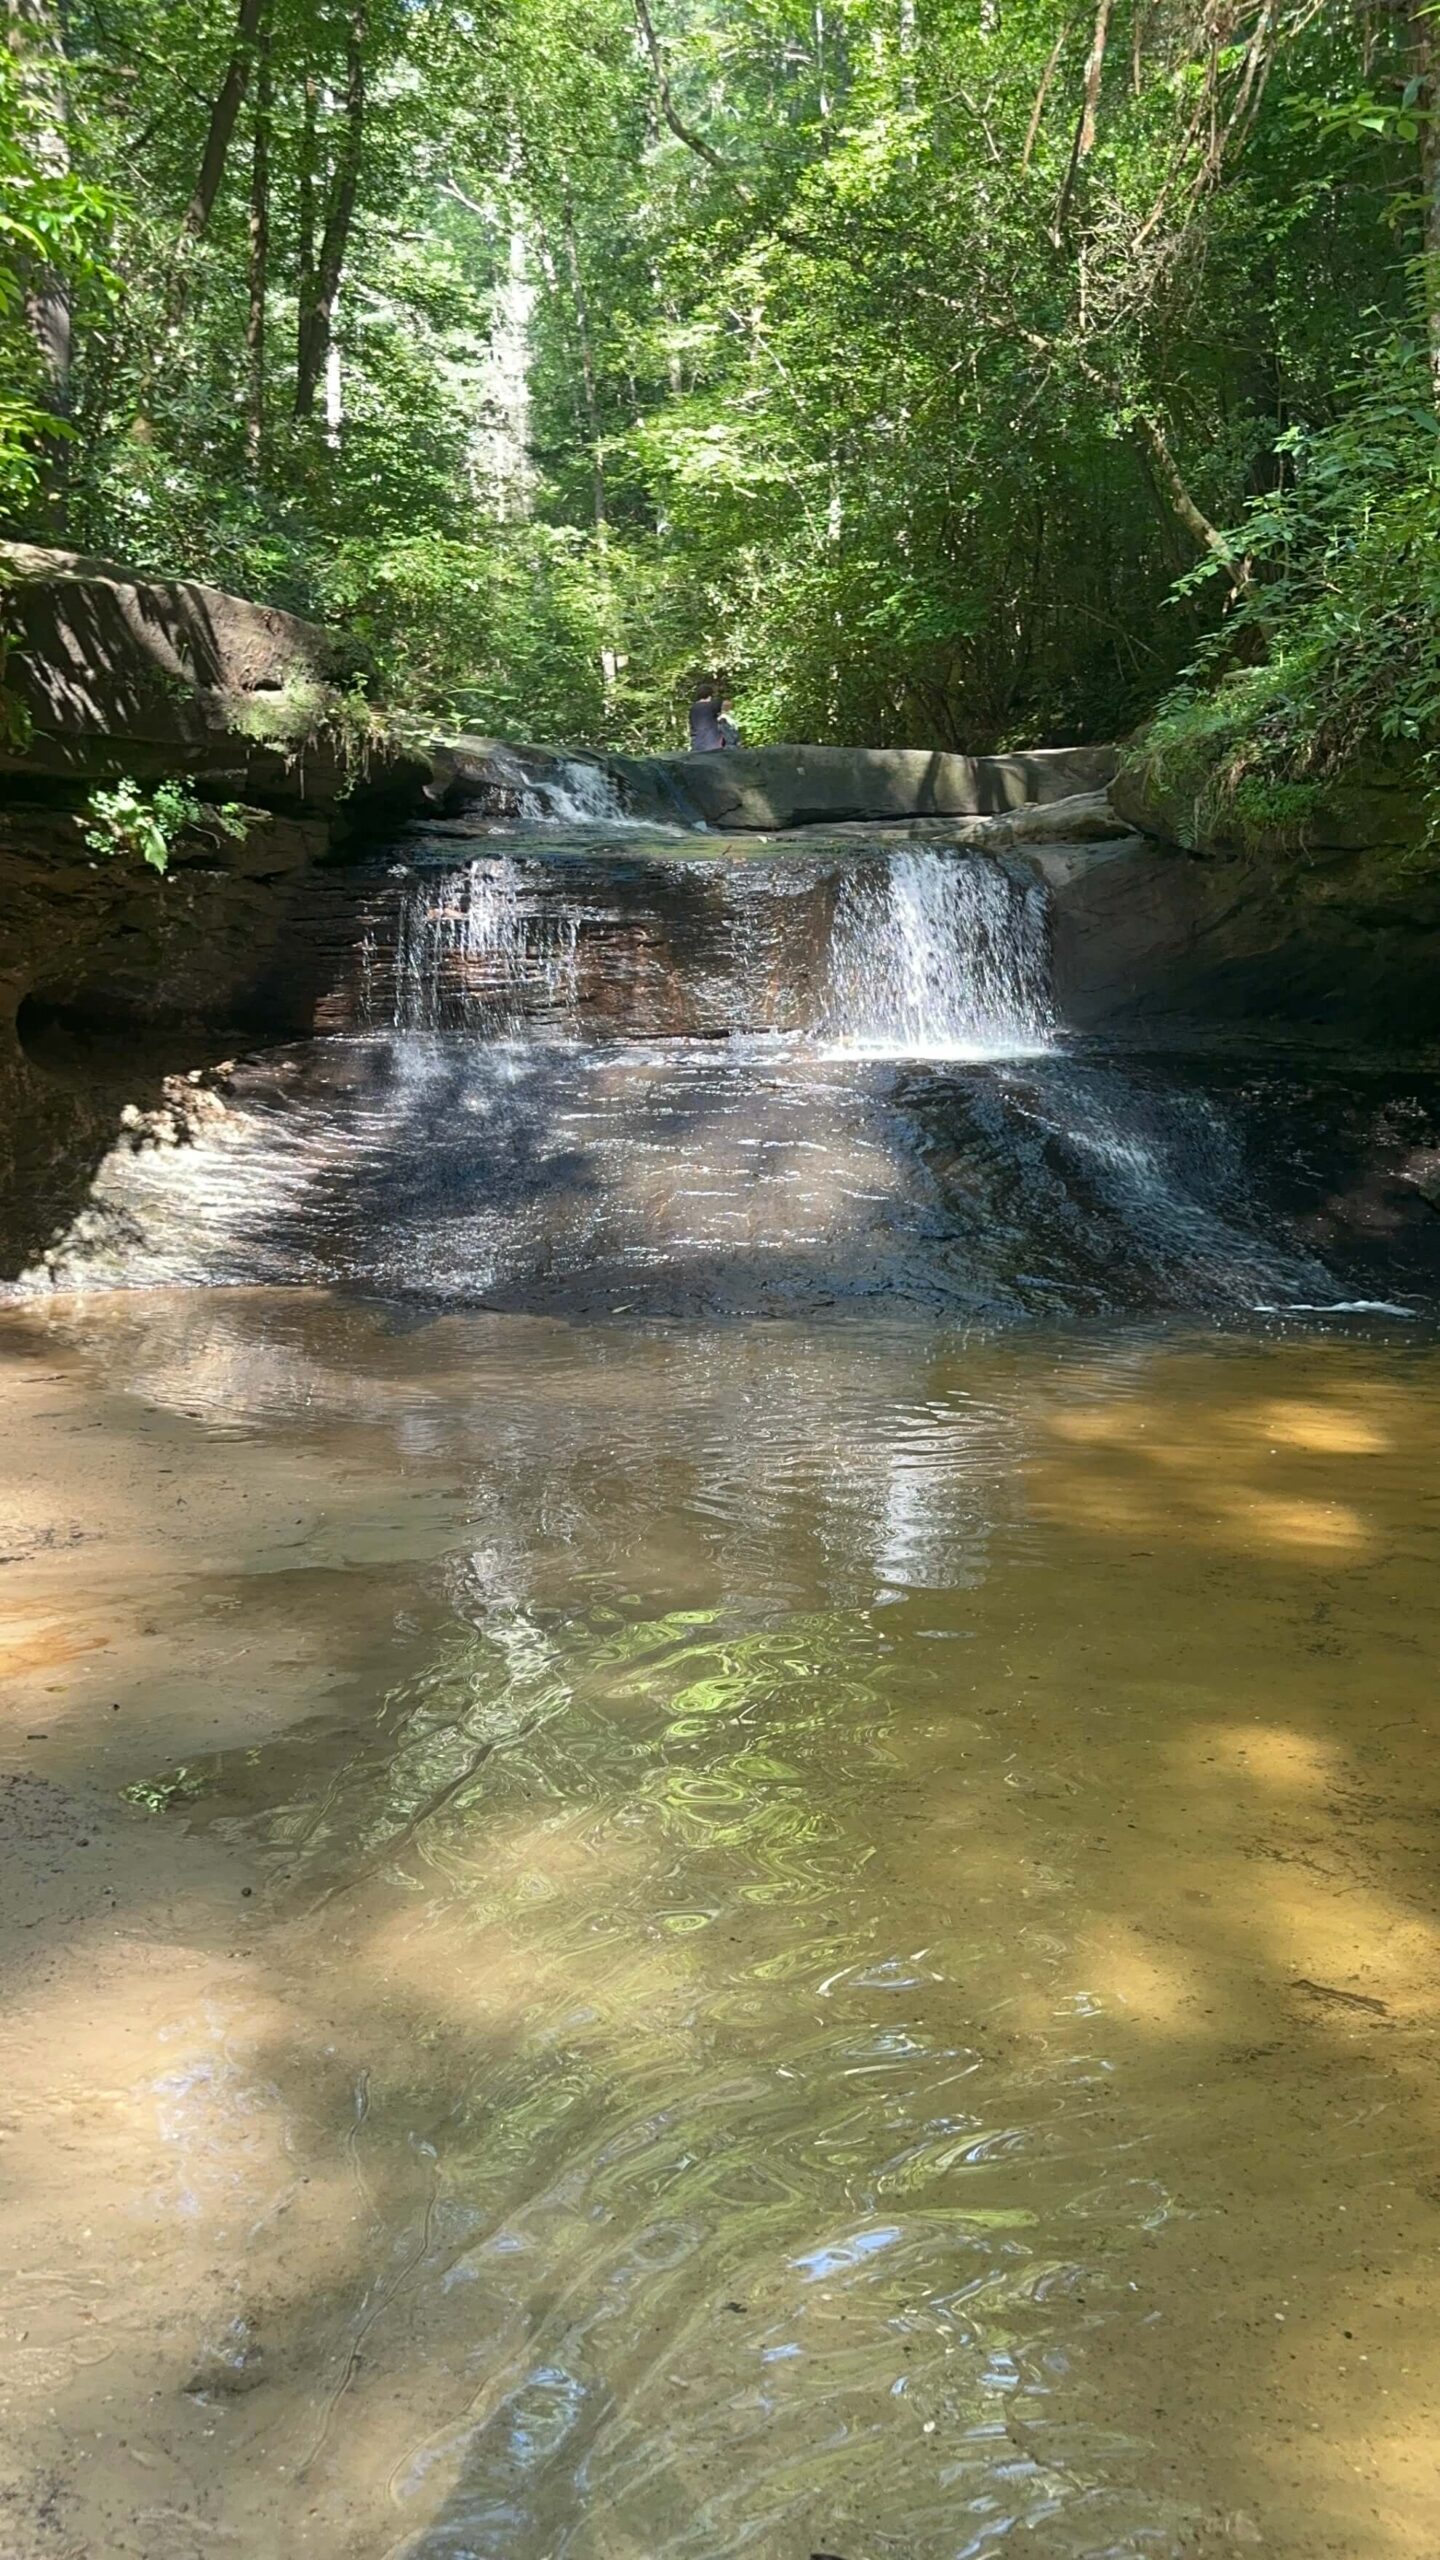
[{"x": 570, "y": 791}]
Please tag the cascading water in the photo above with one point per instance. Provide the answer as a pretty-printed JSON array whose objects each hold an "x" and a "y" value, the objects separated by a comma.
[
  {"x": 937, "y": 956},
  {"x": 929, "y": 955},
  {"x": 563, "y": 791},
  {"x": 592, "y": 1075},
  {"x": 475, "y": 945}
]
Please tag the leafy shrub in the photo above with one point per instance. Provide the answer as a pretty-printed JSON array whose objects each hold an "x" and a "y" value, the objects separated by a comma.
[
  {"x": 1331, "y": 657},
  {"x": 131, "y": 824}
]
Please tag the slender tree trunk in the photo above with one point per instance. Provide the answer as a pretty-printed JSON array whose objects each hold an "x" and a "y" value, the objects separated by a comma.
[
  {"x": 37, "y": 43},
  {"x": 1087, "y": 125},
  {"x": 906, "y": 32},
  {"x": 1197, "y": 524},
  {"x": 1032, "y": 130},
  {"x": 1094, "y": 72},
  {"x": 587, "y": 355},
  {"x": 1425, "y": 67},
  {"x": 224, "y": 115},
  {"x": 305, "y": 201},
  {"x": 259, "y": 262},
  {"x": 334, "y": 387},
  {"x": 317, "y": 308}
]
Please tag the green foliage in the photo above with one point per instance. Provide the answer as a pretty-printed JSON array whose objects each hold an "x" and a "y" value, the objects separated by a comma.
[
  {"x": 51, "y": 226},
  {"x": 871, "y": 358},
  {"x": 1331, "y": 658},
  {"x": 129, "y": 824}
]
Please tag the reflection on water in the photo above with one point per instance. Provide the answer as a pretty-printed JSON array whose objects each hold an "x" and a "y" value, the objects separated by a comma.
[{"x": 842, "y": 1955}]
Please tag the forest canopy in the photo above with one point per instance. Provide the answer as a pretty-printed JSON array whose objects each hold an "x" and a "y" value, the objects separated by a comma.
[{"x": 950, "y": 372}]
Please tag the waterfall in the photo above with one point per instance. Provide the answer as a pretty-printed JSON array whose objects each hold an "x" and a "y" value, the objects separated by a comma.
[
  {"x": 558, "y": 791},
  {"x": 477, "y": 945},
  {"x": 611, "y": 1078},
  {"x": 928, "y": 954},
  {"x": 937, "y": 956}
]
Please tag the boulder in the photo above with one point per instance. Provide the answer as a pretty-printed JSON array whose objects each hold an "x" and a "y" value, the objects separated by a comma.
[
  {"x": 766, "y": 787},
  {"x": 1376, "y": 807},
  {"x": 107, "y": 672}
]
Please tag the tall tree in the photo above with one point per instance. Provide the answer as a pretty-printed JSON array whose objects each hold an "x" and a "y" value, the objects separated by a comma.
[
  {"x": 38, "y": 48},
  {"x": 219, "y": 132},
  {"x": 321, "y": 281},
  {"x": 258, "y": 259},
  {"x": 1424, "y": 30}
]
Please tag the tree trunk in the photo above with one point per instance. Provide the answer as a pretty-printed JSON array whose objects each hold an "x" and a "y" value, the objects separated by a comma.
[
  {"x": 906, "y": 32},
  {"x": 305, "y": 199},
  {"x": 224, "y": 115},
  {"x": 587, "y": 355},
  {"x": 1087, "y": 123},
  {"x": 259, "y": 263},
  {"x": 37, "y": 43},
  {"x": 1094, "y": 71},
  {"x": 1425, "y": 67},
  {"x": 317, "y": 306}
]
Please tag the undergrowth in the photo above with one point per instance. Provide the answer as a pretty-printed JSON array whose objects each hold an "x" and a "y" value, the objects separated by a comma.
[{"x": 1328, "y": 663}]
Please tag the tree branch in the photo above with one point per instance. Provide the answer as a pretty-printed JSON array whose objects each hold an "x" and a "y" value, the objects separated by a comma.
[
  {"x": 1197, "y": 524},
  {"x": 682, "y": 131},
  {"x": 1032, "y": 130}
]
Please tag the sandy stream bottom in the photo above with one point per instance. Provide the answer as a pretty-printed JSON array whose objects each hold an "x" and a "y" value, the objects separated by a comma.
[{"x": 654, "y": 1944}]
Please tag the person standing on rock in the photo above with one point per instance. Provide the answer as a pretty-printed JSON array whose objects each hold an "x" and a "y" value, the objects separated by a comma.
[
  {"x": 729, "y": 733},
  {"x": 706, "y": 736}
]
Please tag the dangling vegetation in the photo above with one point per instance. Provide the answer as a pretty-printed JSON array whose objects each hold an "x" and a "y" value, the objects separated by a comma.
[{"x": 953, "y": 372}]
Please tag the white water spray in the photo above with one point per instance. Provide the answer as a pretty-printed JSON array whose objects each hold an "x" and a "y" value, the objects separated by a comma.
[
  {"x": 561, "y": 791},
  {"x": 939, "y": 956},
  {"x": 478, "y": 944}
]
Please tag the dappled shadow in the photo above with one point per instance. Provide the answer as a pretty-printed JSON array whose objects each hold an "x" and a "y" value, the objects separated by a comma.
[
  {"x": 828, "y": 1985},
  {"x": 756, "y": 1177},
  {"x": 100, "y": 657}
]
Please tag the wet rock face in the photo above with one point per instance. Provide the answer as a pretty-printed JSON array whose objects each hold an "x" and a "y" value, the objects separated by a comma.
[
  {"x": 1336, "y": 923},
  {"x": 627, "y": 948}
]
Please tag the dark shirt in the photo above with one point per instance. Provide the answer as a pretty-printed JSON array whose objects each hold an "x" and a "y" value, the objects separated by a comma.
[{"x": 705, "y": 734}]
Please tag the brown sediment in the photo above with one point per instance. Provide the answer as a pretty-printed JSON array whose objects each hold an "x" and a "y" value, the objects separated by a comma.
[{"x": 889, "y": 1960}]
